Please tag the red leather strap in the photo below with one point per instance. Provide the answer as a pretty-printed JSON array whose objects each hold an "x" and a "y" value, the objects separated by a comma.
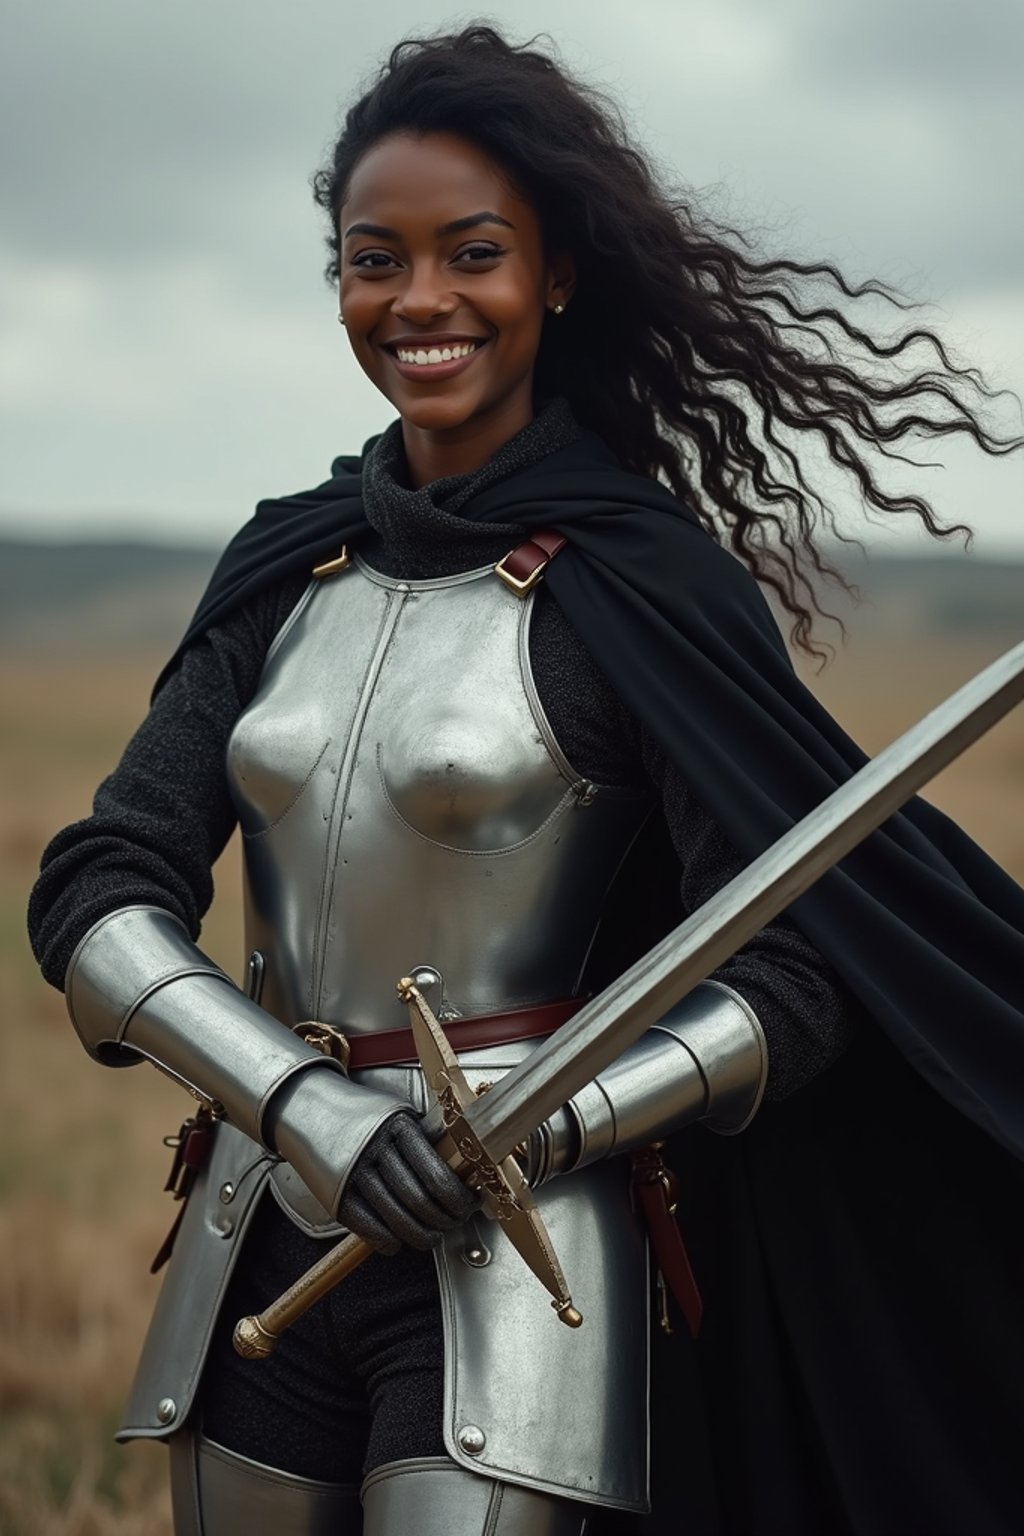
[
  {"x": 191, "y": 1148},
  {"x": 655, "y": 1188},
  {"x": 548, "y": 540},
  {"x": 522, "y": 567},
  {"x": 393, "y": 1047}
]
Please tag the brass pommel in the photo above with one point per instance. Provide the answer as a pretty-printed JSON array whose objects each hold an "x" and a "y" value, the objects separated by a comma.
[
  {"x": 567, "y": 1313},
  {"x": 252, "y": 1341}
]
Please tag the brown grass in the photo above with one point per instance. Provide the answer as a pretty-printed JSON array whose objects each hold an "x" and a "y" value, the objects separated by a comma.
[{"x": 81, "y": 1164}]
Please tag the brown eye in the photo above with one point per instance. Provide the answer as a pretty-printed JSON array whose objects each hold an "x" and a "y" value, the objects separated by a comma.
[
  {"x": 373, "y": 260},
  {"x": 479, "y": 253}
]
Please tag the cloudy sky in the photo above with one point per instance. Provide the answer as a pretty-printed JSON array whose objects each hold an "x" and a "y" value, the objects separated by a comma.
[{"x": 168, "y": 349}]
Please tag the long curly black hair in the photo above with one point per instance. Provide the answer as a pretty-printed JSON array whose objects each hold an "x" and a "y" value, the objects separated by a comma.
[{"x": 696, "y": 362}]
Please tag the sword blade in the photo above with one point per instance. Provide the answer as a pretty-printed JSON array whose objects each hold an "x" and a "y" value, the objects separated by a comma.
[{"x": 604, "y": 1027}]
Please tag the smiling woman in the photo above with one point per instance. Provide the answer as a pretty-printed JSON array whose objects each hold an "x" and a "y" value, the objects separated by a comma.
[
  {"x": 459, "y": 302},
  {"x": 492, "y": 705}
]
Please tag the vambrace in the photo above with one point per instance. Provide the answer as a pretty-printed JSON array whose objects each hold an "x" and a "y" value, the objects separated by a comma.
[
  {"x": 705, "y": 1060},
  {"x": 137, "y": 987}
]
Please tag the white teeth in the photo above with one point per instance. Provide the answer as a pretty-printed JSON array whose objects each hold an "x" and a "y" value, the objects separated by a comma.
[{"x": 424, "y": 357}]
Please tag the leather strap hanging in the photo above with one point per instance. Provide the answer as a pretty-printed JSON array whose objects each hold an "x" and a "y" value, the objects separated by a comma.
[
  {"x": 656, "y": 1188},
  {"x": 191, "y": 1148}
]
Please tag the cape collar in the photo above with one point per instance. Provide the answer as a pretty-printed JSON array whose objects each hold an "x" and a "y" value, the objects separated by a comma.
[{"x": 431, "y": 531}]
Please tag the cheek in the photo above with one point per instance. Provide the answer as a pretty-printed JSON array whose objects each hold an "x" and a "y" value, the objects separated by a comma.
[
  {"x": 517, "y": 314},
  {"x": 356, "y": 304},
  {"x": 362, "y": 314}
]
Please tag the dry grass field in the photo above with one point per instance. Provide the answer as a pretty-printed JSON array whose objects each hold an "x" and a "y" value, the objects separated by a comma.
[{"x": 81, "y": 1161}]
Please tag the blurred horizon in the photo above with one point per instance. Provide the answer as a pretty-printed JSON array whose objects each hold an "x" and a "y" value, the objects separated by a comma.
[
  {"x": 104, "y": 598},
  {"x": 69, "y": 535}
]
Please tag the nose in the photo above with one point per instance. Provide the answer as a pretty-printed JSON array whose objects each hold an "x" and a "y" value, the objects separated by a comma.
[{"x": 425, "y": 295}]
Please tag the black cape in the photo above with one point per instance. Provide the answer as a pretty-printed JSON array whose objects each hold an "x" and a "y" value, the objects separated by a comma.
[{"x": 859, "y": 1245}]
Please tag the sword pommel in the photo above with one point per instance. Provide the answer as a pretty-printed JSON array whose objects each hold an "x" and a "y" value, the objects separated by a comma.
[{"x": 251, "y": 1340}]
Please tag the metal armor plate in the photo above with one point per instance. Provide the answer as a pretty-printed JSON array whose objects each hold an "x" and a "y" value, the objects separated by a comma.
[{"x": 403, "y": 802}]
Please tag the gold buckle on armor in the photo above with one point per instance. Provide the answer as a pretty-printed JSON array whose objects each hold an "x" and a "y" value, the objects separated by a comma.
[
  {"x": 332, "y": 567},
  {"x": 326, "y": 1038},
  {"x": 520, "y": 586}
]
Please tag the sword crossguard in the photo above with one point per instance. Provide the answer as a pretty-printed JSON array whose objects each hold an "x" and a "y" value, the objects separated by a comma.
[{"x": 507, "y": 1195}]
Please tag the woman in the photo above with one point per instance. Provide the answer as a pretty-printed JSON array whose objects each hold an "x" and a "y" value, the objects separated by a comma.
[{"x": 434, "y": 768}]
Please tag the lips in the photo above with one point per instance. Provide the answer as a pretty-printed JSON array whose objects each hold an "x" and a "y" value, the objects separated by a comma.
[{"x": 426, "y": 347}]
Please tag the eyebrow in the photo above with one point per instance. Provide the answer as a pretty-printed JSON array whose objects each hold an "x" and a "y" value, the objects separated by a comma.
[{"x": 470, "y": 221}]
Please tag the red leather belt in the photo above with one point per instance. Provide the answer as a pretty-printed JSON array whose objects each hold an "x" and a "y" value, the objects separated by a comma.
[{"x": 394, "y": 1047}]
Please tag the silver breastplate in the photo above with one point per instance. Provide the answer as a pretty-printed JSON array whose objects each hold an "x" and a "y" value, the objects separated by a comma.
[{"x": 404, "y": 802}]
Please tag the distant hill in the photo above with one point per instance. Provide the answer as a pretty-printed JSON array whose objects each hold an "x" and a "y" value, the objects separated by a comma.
[
  {"x": 97, "y": 596},
  {"x": 109, "y": 596},
  {"x": 944, "y": 592}
]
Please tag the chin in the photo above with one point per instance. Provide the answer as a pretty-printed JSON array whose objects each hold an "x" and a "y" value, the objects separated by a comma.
[{"x": 437, "y": 415}]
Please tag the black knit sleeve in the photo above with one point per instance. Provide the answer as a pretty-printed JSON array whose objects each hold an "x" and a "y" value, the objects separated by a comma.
[
  {"x": 806, "y": 1013},
  {"x": 163, "y": 816}
]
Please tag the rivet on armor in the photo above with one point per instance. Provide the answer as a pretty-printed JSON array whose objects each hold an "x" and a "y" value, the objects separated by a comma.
[
  {"x": 471, "y": 1439},
  {"x": 227, "y": 1194},
  {"x": 477, "y": 1257},
  {"x": 166, "y": 1409}
]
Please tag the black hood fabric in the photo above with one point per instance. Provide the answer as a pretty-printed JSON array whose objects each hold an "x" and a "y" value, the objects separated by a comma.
[{"x": 922, "y": 926}]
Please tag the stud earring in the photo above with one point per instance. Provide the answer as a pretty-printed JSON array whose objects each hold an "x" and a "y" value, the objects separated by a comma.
[
  {"x": 558, "y": 309},
  {"x": 341, "y": 318}
]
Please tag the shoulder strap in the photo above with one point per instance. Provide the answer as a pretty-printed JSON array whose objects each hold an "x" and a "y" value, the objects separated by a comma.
[{"x": 523, "y": 567}]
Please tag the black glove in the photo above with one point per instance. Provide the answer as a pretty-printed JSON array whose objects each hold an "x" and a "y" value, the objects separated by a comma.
[{"x": 401, "y": 1191}]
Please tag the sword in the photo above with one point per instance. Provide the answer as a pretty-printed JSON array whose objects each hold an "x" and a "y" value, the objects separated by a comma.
[{"x": 492, "y": 1125}]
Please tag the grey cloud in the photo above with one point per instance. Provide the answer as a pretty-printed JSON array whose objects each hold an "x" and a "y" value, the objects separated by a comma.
[
  {"x": 938, "y": 46},
  {"x": 143, "y": 131},
  {"x": 134, "y": 122}
]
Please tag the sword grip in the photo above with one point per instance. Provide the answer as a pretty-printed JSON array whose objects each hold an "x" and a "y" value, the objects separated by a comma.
[{"x": 256, "y": 1337}]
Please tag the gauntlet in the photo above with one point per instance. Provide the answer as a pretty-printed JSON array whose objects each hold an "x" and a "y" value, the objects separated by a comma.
[
  {"x": 138, "y": 988},
  {"x": 705, "y": 1060}
]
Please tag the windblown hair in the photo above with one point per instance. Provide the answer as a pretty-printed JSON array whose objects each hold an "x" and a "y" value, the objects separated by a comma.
[{"x": 694, "y": 361}]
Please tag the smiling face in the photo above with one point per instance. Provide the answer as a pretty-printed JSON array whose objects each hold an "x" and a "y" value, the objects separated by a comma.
[{"x": 444, "y": 288}]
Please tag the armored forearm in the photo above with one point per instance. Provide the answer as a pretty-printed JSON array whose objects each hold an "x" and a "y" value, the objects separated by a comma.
[
  {"x": 137, "y": 987},
  {"x": 705, "y": 1060}
]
